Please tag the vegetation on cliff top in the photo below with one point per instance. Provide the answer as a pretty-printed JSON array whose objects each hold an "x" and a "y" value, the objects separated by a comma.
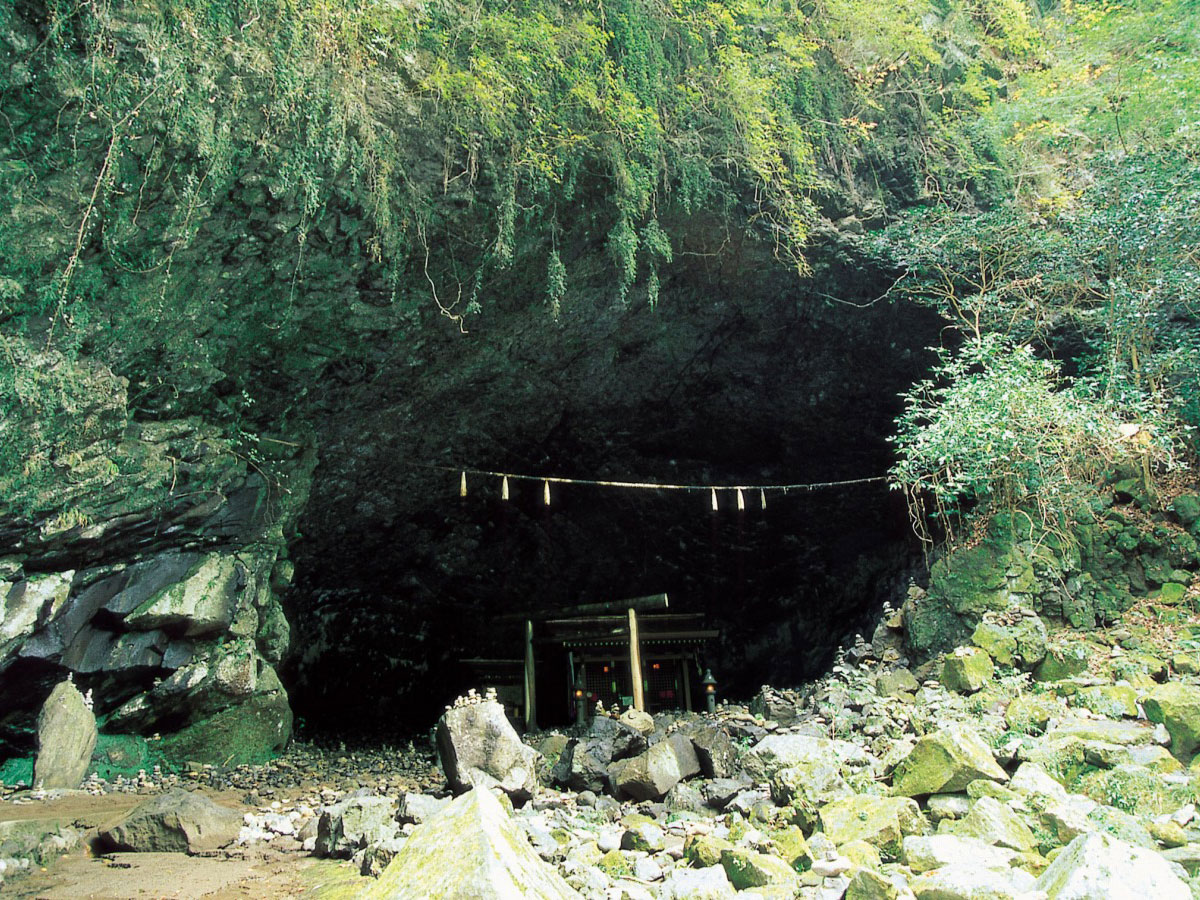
[
  {"x": 201, "y": 194},
  {"x": 1077, "y": 299}
]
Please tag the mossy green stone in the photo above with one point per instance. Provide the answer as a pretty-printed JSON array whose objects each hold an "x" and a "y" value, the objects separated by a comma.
[
  {"x": 1171, "y": 594},
  {"x": 880, "y": 821},
  {"x": 1177, "y": 706},
  {"x": 747, "y": 869},
  {"x": 866, "y": 884},
  {"x": 471, "y": 848},
  {"x": 1187, "y": 508},
  {"x": 945, "y": 762},
  {"x": 614, "y": 864},
  {"x": 121, "y": 754},
  {"x": 1112, "y": 700},
  {"x": 966, "y": 670},
  {"x": 793, "y": 848},
  {"x": 705, "y": 850},
  {"x": 1063, "y": 662},
  {"x": 252, "y": 732},
  {"x": 1030, "y": 713},
  {"x": 994, "y": 823}
]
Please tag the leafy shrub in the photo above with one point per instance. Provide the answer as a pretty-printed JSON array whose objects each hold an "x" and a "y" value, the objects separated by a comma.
[{"x": 996, "y": 427}]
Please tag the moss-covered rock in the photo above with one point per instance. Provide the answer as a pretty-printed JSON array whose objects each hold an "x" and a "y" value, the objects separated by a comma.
[
  {"x": 470, "y": 849},
  {"x": 122, "y": 755},
  {"x": 704, "y": 850},
  {"x": 1112, "y": 700},
  {"x": 1019, "y": 640},
  {"x": 994, "y": 823},
  {"x": 945, "y": 762},
  {"x": 1177, "y": 706},
  {"x": 747, "y": 869},
  {"x": 966, "y": 670},
  {"x": 880, "y": 821},
  {"x": 1186, "y": 508},
  {"x": 250, "y": 732},
  {"x": 1029, "y": 713},
  {"x": 1062, "y": 662}
]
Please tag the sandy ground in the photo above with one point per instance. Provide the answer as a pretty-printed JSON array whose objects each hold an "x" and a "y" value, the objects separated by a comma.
[{"x": 261, "y": 874}]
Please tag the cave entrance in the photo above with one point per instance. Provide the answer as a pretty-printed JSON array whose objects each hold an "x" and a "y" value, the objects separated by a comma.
[{"x": 738, "y": 378}]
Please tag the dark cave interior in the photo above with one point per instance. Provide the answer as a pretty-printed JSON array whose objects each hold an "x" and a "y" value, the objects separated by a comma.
[{"x": 399, "y": 583}]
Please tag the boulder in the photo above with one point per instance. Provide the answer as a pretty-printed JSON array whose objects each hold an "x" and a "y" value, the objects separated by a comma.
[
  {"x": 650, "y": 775},
  {"x": 866, "y": 884},
  {"x": 782, "y": 751},
  {"x": 639, "y": 721},
  {"x": 925, "y": 853},
  {"x": 705, "y": 850},
  {"x": 747, "y": 869},
  {"x": 714, "y": 749},
  {"x": 417, "y": 808},
  {"x": 880, "y": 821},
  {"x": 991, "y": 822},
  {"x": 1186, "y": 508},
  {"x": 966, "y": 670},
  {"x": 201, "y": 604},
  {"x": 1031, "y": 713},
  {"x": 584, "y": 764},
  {"x": 1115, "y": 701},
  {"x": 1018, "y": 642},
  {"x": 353, "y": 824},
  {"x": 469, "y": 849},
  {"x": 248, "y": 733},
  {"x": 175, "y": 822},
  {"x": 1099, "y": 865},
  {"x": 945, "y": 762},
  {"x": 710, "y": 883},
  {"x": 1062, "y": 662},
  {"x": 66, "y": 735},
  {"x": 895, "y": 682},
  {"x": 478, "y": 746},
  {"x": 1100, "y": 731},
  {"x": 1177, "y": 706},
  {"x": 965, "y": 880}
]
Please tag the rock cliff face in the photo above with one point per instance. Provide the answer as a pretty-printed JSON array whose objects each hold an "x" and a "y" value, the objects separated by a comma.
[
  {"x": 228, "y": 333},
  {"x": 147, "y": 565}
]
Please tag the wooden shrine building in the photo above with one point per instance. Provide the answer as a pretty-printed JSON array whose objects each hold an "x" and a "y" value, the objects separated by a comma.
[{"x": 627, "y": 652}]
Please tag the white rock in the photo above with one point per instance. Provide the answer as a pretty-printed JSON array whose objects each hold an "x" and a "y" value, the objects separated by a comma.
[
  {"x": 966, "y": 881},
  {"x": 646, "y": 869},
  {"x": 1099, "y": 865},
  {"x": 923, "y": 854},
  {"x": 1031, "y": 778},
  {"x": 831, "y": 868},
  {"x": 697, "y": 884},
  {"x": 1184, "y": 814}
]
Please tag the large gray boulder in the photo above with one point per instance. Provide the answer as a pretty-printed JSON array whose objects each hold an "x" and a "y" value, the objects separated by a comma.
[
  {"x": 785, "y": 751},
  {"x": 1099, "y": 865},
  {"x": 175, "y": 822},
  {"x": 354, "y": 824},
  {"x": 715, "y": 750},
  {"x": 710, "y": 883},
  {"x": 471, "y": 849},
  {"x": 478, "y": 746},
  {"x": 651, "y": 774},
  {"x": 66, "y": 733},
  {"x": 584, "y": 764}
]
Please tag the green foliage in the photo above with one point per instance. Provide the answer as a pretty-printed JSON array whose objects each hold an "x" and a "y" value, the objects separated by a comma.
[
  {"x": 1092, "y": 261},
  {"x": 995, "y": 428}
]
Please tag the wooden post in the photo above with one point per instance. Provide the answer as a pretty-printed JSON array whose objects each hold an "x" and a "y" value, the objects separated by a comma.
[
  {"x": 530, "y": 680},
  {"x": 687, "y": 684},
  {"x": 635, "y": 662}
]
